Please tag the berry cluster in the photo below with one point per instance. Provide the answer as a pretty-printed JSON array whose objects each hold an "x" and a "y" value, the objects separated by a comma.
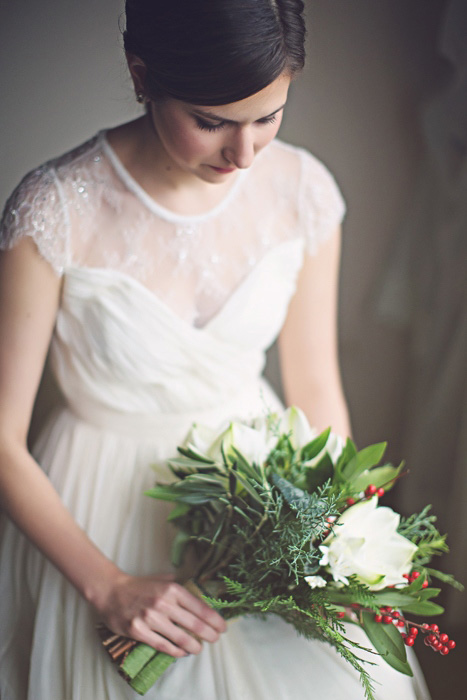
[
  {"x": 413, "y": 576},
  {"x": 434, "y": 639},
  {"x": 371, "y": 490},
  {"x": 438, "y": 641}
]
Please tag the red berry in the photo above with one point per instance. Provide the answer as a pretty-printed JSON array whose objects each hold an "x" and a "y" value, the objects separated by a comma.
[
  {"x": 410, "y": 641},
  {"x": 370, "y": 490},
  {"x": 380, "y": 492},
  {"x": 451, "y": 644},
  {"x": 444, "y": 650},
  {"x": 426, "y": 626},
  {"x": 414, "y": 575},
  {"x": 434, "y": 627},
  {"x": 413, "y": 631},
  {"x": 437, "y": 645},
  {"x": 431, "y": 639},
  {"x": 378, "y": 618},
  {"x": 350, "y": 501},
  {"x": 387, "y": 608},
  {"x": 443, "y": 638},
  {"x": 387, "y": 619},
  {"x": 425, "y": 584},
  {"x": 407, "y": 576},
  {"x": 340, "y": 614},
  {"x": 400, "y": 623}
]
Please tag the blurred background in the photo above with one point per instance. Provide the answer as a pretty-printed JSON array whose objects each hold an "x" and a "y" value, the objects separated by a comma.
[{"x": 383, "y": 102}]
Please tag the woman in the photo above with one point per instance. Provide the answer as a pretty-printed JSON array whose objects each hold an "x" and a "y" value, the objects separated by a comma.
[{"x": 158, "y": 261}]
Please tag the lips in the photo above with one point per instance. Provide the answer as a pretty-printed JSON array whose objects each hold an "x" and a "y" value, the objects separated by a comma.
[{"x": 222, "y": 170}]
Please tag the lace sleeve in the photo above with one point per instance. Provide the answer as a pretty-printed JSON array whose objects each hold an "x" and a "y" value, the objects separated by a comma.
[
  {"x": 35, "y": 209},
  {"x": 321, "y": 205}
]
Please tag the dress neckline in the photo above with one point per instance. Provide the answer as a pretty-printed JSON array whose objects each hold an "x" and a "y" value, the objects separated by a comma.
[{"x": 151, "y": 203}]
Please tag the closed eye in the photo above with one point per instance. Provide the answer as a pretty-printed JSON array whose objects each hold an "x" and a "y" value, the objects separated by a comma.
[
  {"x": 209, "y": 126},
  {"x": 268, "y": 120},
  {"x": 205, "y": 125}
]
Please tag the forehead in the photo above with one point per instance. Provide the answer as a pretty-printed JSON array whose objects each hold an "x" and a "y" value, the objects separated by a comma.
[{"x": 261, "y": 104}]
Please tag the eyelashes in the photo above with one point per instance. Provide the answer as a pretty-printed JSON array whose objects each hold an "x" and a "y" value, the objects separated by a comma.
[{"x": 209, "y": 126}]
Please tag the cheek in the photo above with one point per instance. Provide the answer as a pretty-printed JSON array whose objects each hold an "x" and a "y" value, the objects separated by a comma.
[
  {"x": 268, "y": 132},
  {"x": 188, "y": 142}
]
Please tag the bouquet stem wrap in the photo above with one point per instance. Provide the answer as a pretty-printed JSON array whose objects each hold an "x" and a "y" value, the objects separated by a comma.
[{"x": 138, "y": 663}]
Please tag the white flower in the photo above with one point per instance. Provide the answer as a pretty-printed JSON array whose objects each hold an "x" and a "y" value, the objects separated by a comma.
[
  {"x": 295, "y": 424},
  {"x": 254, "y": 443},
  {"x": 315, "y": 581},
  {"x": 365, "y": 542},
  {"x": 200, "y": 438}
]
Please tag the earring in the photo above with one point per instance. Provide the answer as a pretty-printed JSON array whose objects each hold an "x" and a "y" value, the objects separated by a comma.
[{"x": 140, "y": 98}]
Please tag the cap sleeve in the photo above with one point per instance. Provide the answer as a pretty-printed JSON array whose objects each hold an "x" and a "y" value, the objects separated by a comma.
[
  {"x": 35, "y": 209},
  {"x": 321, "y": 204}
]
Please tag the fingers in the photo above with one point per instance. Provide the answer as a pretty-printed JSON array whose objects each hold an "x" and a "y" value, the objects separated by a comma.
[
  {"x": 199, "y": 609},
  {"x": 142, "y": 633},
  {"x": 176, "y": 635},
  {"x": 194, "y": 625}
]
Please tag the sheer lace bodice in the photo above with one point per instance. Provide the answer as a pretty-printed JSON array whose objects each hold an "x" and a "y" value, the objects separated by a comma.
[{"x": 84, "y": 209}]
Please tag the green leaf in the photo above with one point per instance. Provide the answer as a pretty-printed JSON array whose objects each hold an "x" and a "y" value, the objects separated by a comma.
[
  {"x": 249, "y": 488},
  {"x": 347, "y": 454},
  {"x": 291, "y": 493},
  {"x": 313, "y": 448},
  {"x": 427, "y": 593},
  {"x": 192, "y": 453},
  {"x": 365, "y": 459},
  {"x": 424, "y": 607},
  {"x": 163, "y": 493},
  {"x": 445, "y": 578},
  {"x": 318, "y": 475},
  {"x": 179, "y": 544},
  {"x": 394, "y": 598},
  {"x": 178, "y": 511},
  {"x": 388, "y": 642},
  {"x": 248, "y": 469},
  {"x": 378, "y": 476}
]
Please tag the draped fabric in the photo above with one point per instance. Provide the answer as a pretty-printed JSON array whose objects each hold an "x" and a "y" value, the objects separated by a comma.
[{"x": 135, "y": 372}]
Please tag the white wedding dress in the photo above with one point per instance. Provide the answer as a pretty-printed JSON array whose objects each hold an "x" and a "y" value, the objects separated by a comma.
[{"x": 164, "y": 320}]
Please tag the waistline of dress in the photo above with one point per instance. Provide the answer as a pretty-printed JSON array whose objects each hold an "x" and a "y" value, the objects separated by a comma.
[{"x": 256, "y": 400}]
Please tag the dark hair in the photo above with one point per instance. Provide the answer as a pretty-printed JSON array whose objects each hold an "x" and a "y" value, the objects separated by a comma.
[{"x": 214, "y": 52}]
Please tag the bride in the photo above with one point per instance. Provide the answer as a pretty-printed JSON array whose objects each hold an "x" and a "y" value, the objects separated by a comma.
[{"x": 155, "y": 264}]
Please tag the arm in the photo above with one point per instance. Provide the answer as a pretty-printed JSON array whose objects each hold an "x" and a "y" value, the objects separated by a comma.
[
  {"x": 142, "y": 607},
  {"x": 308, "y": 343}
]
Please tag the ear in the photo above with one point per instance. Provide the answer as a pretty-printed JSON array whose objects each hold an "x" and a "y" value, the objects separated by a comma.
[{"x": 137, "y": 71}]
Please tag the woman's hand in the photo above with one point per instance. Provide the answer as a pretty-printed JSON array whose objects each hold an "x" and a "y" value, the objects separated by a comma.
[{"x": 161, "y": 613}]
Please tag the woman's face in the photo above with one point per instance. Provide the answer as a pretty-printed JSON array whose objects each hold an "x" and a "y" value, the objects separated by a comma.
[{"x": 213, "y": 142}]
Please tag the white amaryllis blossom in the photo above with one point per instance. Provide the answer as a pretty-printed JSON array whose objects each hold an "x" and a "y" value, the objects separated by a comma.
[
  {"x": 256, "y": 440},
  {"x": 254, "y": 443},
  {"x": 295, "y": 423},
  {"x": 316, "y": 581},
  {"x": 366, "y": 543}
]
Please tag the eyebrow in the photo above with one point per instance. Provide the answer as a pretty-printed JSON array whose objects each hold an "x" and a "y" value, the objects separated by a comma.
[{"x": 216, "y": 117}]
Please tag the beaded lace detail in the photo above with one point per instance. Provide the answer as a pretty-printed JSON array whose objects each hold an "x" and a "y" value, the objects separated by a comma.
[{"x": 85, "y": 210}]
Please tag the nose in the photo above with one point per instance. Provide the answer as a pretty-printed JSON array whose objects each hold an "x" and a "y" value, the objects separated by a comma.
[{"x": 240, "y": 150}]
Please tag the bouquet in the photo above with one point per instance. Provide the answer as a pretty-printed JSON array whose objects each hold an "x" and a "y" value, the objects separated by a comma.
[{"x": 285, "y": 521}]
